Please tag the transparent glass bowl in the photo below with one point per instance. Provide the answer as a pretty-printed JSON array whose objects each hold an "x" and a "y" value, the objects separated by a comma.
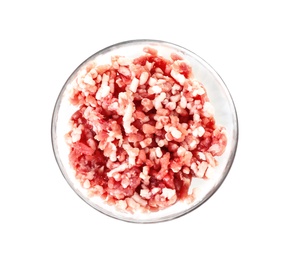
[{"x": 225, "y": 115}]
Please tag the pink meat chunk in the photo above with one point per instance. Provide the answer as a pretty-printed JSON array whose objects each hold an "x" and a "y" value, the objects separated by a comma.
[{"x": 143, "y": 129}]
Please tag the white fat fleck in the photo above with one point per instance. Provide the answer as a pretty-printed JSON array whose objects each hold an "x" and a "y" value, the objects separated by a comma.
[
  {"x": 120, "y": 168},
  {"x": 144, "y": 193},
  {"x": 202, "y": 169},
  {"x": 200, "y": 91},
  {"x": 183, "y": 102},
  {"x": 197, "y": 89},
  {"x": 98, "y": 94},
  {"x": 90, "y": 175},
  {"x": 134, "y": 85},
  {"x": 175, "y": 132},
  {"x": 144, "y": 77},
  {"x": 113, "y": 156},
  {"x": 181, "y": 151},
  {"x": 202, "y": 156},
  {"x": 156, "y": 89},
  {"x": 178, "y": 77},
  {"x": 149, "y": 65},
  {"x": 76, "y": 134},
  {"x": 168, "y": 193},
  {"x": 124, "y": 183},
  {"x": 200, "y": 131},
  {"x": 132, "y": 153},
  {"x": 158, "y": 152},
  {"x": 121, "y": 204},
  {"x": 162, "y": 143},
  {"x": 145, "y": 170},
  {"x": 127, "y": 118},
  {"x": 86, "y": 184},
  {"x": 105, "y": 80},
  {"x": 152, "y": 81},
  {"x": 105, "y": 91},
  {"x": 157, "y": 101},
  {"x": 88, "y": 80},
  {"x": 155, "y": 190},
  {"x": 208, "y": 109},
  {"x": 82, "y": 72},
  {"x": 168, "y": 137},
  {"x": 196, "y": 117},
  {"x": 171, "y": 106},
  {"x": 123, "y": 61}
]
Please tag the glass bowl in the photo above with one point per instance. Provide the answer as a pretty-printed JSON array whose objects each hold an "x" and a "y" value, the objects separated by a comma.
[{"x": 167, "y": 203}]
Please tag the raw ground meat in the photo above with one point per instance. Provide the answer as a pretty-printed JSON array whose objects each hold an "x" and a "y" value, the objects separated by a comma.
[{"x": 143, "y": 129}]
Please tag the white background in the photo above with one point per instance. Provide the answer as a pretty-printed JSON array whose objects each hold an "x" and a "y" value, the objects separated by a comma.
[{"x": 251, "y": 44}]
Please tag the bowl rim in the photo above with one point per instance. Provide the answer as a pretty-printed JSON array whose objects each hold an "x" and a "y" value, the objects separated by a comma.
[{"x": 230, "y": 159}]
